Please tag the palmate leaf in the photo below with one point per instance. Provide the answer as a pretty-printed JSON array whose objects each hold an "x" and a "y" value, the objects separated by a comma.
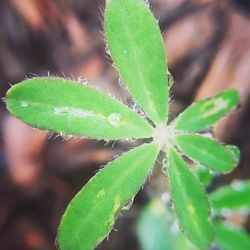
[
  {"x": 64, "y": 106},
  {"x": 190, "y": 202},
  {"x": 157, "y": 229},
  {"x": 203, "y": 114},
  {"x": 137, "y": 49},
  {"x": 231, "y": 238},
  {"x": 233, "y": 197},
  {"x": 208, "y": 152},
  {"x": 91, "y": 214}
]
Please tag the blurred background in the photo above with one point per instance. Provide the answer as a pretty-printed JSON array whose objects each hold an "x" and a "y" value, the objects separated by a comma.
[{"x": 208, "y": 50}]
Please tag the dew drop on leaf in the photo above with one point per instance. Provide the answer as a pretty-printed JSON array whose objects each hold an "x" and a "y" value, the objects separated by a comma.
[
  {"x": 122, "y": 84},
  {"x": 164, "y": 165},
  {"x": 114, "y": 119},
  {"x": 107, "y": 50},
  {"x": 82, "y": 80},
  {"x": 136, "y": 108},
  {"x": 24, "y": 104},
  {"x": 147, "y": 3}
]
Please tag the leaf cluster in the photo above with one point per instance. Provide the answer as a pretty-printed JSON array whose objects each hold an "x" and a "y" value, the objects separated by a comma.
[
  {"x": 63, "y": 106},
  {"x": 157, "y": 228}
]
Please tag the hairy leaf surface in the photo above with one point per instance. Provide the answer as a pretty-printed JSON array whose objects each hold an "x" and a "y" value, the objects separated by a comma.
[
  {"x": 136, "y": 46},
  {"x": 66, "y": 107},
  {"x": 231, "y": 238},
  {"x": 234, "y": 196},
  {"x": 208, "y": 152},
  {"x": 91, "y": 214},
  {"x": 203, "y": 114},
  {"x": 190, "y": 202}
]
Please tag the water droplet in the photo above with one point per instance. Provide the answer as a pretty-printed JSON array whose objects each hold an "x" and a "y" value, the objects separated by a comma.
[
  {"x": 147, "y": 3},
  {"x": 170, "y": 79},
  {"x": 82, "y": 80},
  {"x": 136, "y": 108},
  {"x": 164, "y": 161},
  {"x": 164, "y": 165},
  {"x": 132, "y": 104},
  {"x": 122, "y": 84},
  {"x": 107, "y": 50},
  {"x": 166, "y": 197},
  {"x": 142, "y": 113},
  {"x": 24, "y": 104},
  {"x": 114, "y": 119}
]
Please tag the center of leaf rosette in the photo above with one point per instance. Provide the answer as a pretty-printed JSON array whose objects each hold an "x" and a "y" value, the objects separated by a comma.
[{"x": 164, "y": 136}]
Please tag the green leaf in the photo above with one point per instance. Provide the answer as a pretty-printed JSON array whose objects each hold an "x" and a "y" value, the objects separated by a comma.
[
  {"x": 66, "y": 107},
  {"x": 203, "y": 114},
  {"x": 137, "y": 48},
  {"x": 235, "y": 152},
  {"x": 153, "y": 229},
  {"x": 208, "y": 152},
  {"x": 157, "y": 229},
  {"x": 234, "y": 196},
  {"x": 203, "y": 174},
  {"x": 91, "y": 214},
  {"x": 190, "y": 202},
  {"x": 231, "y": 238}
]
